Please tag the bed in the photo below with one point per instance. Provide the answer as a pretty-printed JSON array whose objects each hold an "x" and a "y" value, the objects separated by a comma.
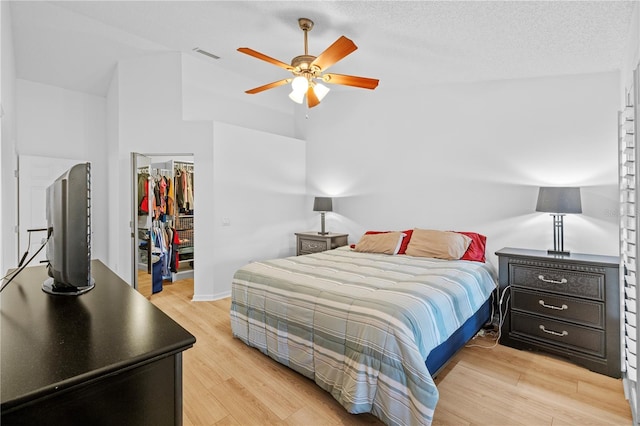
[{"x": 369, "y": 328}]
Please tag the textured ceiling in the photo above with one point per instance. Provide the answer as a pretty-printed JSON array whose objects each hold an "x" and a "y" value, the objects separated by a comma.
[{"x": 76, "y": 45}]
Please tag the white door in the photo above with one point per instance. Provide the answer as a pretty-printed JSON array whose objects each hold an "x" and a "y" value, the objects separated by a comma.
[
  {"x": 35, "y": 174},
  {"x": 140, "y": 224}
]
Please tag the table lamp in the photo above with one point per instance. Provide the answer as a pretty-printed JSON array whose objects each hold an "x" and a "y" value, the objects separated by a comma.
[
  {"x": 322, "y": 205},
  {"x": 559, "y": 201}
]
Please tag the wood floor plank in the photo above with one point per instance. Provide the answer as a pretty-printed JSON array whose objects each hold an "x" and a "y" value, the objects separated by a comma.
[
  {"x": 475, "y": 397},
  {"x": 244, "y": 405},
  {"x": 203, "y": 408},
  {"x": 594, "y": 395},
  {"x": 226, "y": 382},
  {"x": 483, "y": 360}
]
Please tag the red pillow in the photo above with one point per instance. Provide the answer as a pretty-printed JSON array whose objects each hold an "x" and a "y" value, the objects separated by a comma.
[
  {"x": 477, "y": 248},
  {"x": 405, "y": 240}
]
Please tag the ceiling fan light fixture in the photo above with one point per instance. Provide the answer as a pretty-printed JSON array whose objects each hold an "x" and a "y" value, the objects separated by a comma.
[
  {"x": 300, "y": 84},
  {"x": 320, "y": 90},
  {"x": 296, "y": 97},
  {"x": 308, "y": 68}
]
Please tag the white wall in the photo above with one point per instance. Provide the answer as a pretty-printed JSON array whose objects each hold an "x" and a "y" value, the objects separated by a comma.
[
  {"x": 112, "y": 134},
  {"x": 60, "y": 123},
  {"x": 146, "y": 117},
  {"x": 210, "y": 92},
  {"x": 8, "y": 189},
  {"x": 632, "y": 51},
  {"x": 143, "y": 112},
  {"x": 259, "y": 198},
  {"x": 453, "y": 157},
  {"x": 471, "y": 157},
  {"x": 149, "y": 109}
]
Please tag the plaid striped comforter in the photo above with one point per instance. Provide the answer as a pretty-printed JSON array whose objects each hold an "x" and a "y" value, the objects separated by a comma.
[{"x": 359, "y": 324}]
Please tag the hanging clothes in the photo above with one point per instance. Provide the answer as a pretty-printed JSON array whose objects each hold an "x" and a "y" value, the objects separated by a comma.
[
  {"x": 175, "y": 263},
  {"x": 147, "y": 191},
  {"x": 170, "y": 197},
  {"x": 162, "y": 249},
  {"x": 189, "y": 181},
  {"x": 156, "y": 278},
  {"x": 180, "y": 188},
  {"x": 162, "y": 202},
  {"x": 143, "y": 188}
]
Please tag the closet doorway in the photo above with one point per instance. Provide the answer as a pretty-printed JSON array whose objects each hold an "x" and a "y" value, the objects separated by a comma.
[{"x": 162, "y": 221}]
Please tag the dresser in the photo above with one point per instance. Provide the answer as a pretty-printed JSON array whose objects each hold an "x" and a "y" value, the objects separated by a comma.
[
  {"x": 568, "y": 306},
  {"x": 106, "y": 357},
  {"x": 313, "y": 242}
]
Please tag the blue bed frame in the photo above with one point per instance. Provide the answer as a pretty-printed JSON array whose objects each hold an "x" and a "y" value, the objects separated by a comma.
[{"x": 442, "y": 353}]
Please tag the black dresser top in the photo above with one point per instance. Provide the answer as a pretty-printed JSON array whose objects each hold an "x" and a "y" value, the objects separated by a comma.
[
  {"x": 578, "y": 258},
  {"x": 50, "y": 343}
]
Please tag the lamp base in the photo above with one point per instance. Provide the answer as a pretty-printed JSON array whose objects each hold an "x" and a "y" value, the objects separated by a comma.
[
  {"x": 322, "y": 229},
  {"x": 558, "y": 236},
  {"x": 559, "y": 252}
]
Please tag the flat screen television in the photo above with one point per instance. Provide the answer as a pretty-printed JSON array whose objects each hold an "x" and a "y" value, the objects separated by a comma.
[{"x": 68, "y": 208}]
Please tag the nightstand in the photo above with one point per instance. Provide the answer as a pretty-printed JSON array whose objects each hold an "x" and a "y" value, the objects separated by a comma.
[
  {"x": 313, "y": 242},
  {"x": 568, "y": 306}
]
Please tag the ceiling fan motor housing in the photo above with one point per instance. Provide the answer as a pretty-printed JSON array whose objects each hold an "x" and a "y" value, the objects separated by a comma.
[
  {"x": 302, "y": 66},
  {"x": 305, "y": 24}
]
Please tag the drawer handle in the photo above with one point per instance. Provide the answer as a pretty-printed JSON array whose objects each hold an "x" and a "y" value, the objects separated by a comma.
[
  {"x": 559, "y": 308},
  {"x": 555, "y": 333},
  {"x": 542, "y": 278}
]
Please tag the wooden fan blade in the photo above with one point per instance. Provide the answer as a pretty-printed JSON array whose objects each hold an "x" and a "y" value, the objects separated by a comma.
[
  {"x": 268, "y": 86},
  {"x": 264, "y": 57},
  {"x": 351, "y": 80},
  {"x": 338, "y": 50},
  {"x": 312, "y": 99}
]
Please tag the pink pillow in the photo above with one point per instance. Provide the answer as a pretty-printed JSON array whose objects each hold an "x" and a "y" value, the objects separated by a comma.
[
  {"x": 477, "y": 248},
  {"x": 405, "y": 240}
]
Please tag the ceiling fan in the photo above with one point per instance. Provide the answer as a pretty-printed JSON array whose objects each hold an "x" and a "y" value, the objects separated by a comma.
[{"x": 309, "y": 71}]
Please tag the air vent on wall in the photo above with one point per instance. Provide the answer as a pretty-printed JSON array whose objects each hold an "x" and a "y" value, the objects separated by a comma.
[{"x": 205, "y": 53}]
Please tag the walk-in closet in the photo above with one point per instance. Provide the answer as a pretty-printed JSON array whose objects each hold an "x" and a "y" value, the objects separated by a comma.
[{"x": 164, "y": 207}]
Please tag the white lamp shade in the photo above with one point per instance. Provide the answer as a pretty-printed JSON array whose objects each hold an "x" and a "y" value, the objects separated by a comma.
[
  {"x": 321, "y": 90},
  {"x": 299, "y": 86},
  {"x": 297, "y": 97}
]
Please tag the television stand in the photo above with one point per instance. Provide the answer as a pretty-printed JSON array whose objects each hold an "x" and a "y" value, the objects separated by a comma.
[
  {"x": 108, "y": 356},
  {"x": 49, "y": 286}
]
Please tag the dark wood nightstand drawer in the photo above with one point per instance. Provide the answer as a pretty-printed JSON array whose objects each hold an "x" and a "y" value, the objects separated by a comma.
[
  {"x": 566, "y": 305},
  {"x": 559, "y": 281},
  {"x": 572, "y": 337},
  {"x": 585, "y": 312},
  {"x": 312, "y": 246}
]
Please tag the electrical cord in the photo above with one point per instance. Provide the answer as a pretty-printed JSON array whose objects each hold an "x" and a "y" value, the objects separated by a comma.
[
  {"x": 16, "y": 272},
  {"x": 501, "y": 318},
  {"x": 26, "y": 252}
]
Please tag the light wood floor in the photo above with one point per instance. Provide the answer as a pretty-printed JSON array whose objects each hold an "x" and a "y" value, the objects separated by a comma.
[{"x": 228, "y": 383}]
